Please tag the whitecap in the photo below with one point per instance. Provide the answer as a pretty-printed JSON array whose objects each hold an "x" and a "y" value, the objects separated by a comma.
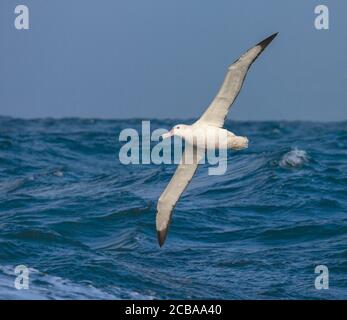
[
  {"x": 294, "y": 158},
  {"x": 58, "y": 173},
  {"x": 43, "y": 286}
]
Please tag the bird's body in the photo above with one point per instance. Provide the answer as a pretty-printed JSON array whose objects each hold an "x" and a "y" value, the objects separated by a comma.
[
  {"x": 209, "y": 137},
  {"x": 206, "y": 133}
]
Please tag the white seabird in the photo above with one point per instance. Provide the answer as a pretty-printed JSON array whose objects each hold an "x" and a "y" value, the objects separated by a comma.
[{"x": 210, "y": 123}]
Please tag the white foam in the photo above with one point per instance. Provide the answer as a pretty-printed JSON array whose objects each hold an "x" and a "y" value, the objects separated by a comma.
[
  {"x": 58, "y": 173},
  {"x": 294, "y": 158},
  {"x": 43, "y": 286}
]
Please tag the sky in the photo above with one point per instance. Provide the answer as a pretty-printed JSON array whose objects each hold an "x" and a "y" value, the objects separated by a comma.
[{"x": 167, "y": 59}]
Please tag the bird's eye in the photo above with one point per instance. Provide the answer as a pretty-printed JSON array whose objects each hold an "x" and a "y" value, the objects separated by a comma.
[{"x": 178, "y": 127}]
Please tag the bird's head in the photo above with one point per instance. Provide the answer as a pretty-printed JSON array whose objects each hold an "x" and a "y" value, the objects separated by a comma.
[{"x": 177, "y": 130}]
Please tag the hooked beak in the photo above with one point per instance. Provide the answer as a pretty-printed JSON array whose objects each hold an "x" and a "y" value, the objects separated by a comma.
[{"x": 167, "y": 135}]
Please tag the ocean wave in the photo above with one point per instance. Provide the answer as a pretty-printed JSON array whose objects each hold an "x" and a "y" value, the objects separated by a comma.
[
  {"x": 43, "y": 286},
  {"x": 85, "y": 223},
  {"x": 294, "y": 158}
]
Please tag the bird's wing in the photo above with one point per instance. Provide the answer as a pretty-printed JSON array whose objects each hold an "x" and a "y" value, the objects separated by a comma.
[
  {"x": 217, "y": 111},
  {"x": 168, "y": 199}
]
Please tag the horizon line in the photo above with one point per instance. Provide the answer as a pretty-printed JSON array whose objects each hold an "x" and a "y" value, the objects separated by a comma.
[{"x": 160, "y": 119}]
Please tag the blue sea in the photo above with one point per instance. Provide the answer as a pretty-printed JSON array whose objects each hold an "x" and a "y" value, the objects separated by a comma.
[{"x": 84, "y": 224}]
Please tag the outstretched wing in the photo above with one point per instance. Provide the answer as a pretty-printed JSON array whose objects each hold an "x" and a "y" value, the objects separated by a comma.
[
  {"x": 217, "y": 111},
  {"x": 178, "y": 183}
]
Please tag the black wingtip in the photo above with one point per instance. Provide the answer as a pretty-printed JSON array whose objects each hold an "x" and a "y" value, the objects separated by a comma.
[
  {"x": 161, "y": 236},
  {"x": 266, "y": 41}
]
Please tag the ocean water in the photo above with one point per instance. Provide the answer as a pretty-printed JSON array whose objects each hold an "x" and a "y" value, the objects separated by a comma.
[{"x": 84, "y": 224}]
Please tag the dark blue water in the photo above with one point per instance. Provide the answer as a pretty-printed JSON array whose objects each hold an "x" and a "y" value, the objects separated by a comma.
[{"x": 85, "y": 224}]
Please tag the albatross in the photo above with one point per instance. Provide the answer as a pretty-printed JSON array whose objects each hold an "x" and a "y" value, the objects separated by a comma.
[{"x": 210, "y": 123}]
